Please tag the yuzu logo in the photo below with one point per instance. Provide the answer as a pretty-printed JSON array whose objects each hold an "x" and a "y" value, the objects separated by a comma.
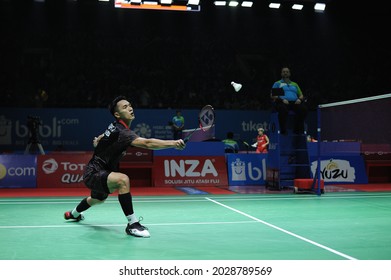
[{"x": 49, "y": 166}]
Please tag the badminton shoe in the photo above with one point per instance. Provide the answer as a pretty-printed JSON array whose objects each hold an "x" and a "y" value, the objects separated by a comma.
[
  {"x": 136, "y": 229},
  {"x": 68, "y": 216}
]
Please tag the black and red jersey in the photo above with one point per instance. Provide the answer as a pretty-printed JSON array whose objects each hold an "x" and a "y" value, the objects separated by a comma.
[{"x": 112, "y": 147}]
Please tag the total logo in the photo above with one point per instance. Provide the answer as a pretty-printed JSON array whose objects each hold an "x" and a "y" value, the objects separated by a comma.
[
  {"x": 49, "y": 166},
  {"x": 72, "y": 172}
]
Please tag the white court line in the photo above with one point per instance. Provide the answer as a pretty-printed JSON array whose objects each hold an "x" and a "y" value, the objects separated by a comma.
[
  {"x": 74, "y": 224},
  {"x": 283, "y": 230},
  {"x": 50, "y": 200}
]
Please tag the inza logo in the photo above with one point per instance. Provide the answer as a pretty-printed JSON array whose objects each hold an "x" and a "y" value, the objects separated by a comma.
[{"x": 189, "y": 168}]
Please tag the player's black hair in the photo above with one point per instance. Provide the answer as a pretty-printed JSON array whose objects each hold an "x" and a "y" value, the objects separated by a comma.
[{"x": 113, "y": 103}]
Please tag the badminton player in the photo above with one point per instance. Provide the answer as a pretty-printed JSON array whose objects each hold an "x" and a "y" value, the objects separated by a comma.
[
  {"x": 262, "y": 142},
  {"x": 101, "y": 175}
]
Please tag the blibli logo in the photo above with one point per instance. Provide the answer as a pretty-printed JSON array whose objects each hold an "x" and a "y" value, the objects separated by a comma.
[
  {"x": 240, "y": 170},
  {"x": 46, "y": 130},
  {"x": 53, "y": 130}
]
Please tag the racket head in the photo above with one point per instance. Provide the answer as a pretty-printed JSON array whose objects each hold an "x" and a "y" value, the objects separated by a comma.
[{"x": 206, "y": 117}]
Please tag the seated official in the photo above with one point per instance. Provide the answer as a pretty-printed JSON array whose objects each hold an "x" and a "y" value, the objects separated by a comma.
[
  {"x": 230, "y": 145},
  {"x": 293, "y": 99}
]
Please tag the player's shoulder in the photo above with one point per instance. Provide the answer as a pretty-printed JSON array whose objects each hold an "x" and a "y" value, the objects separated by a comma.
[{"x": 111, "y": 129}]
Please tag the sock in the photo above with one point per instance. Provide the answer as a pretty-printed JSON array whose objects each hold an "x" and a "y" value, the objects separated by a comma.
[
  {"x": 83, "y": 206},
  {"x": 132, "y": 219},
  {"x": 125, "y": 200}
]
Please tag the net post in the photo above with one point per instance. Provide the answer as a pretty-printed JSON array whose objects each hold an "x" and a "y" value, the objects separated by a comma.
[{"x": 317, "y": 175}]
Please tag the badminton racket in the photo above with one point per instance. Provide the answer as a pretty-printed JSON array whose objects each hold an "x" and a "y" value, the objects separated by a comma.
[{"x": 206, "y": 119}]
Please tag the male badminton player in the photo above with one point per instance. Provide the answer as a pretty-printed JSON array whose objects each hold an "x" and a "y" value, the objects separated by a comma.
[{"x": 101, "y": 175}]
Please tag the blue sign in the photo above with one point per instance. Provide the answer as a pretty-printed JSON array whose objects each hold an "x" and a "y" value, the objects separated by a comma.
[
  {"x": 18, "y": 171},
  {"x": 340, "y": 169},
  {"x": 72, "y": 129},
  {"x": 246, "y": 169}
]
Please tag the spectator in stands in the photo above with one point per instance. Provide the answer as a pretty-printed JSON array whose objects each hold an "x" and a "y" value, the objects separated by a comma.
[
  {"x": 230, "y": 145},
  {"x": 292, "y": 99},
  {"x": 101, "y": 174},
  {"x": 178, "y": 123}
]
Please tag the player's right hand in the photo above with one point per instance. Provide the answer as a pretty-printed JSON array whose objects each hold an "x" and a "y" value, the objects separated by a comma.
[{"x": 180, "y": 144}]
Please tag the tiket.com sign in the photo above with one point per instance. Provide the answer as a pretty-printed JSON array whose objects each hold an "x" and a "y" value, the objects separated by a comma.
[
  {"x": 190, "y": 171},
  {"x": 62, "y": 170}
]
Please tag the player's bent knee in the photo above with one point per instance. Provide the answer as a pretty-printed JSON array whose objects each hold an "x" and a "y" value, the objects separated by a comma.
[
  {"x": 118, "y": 181},
  {"x": 123, "y": 180}
]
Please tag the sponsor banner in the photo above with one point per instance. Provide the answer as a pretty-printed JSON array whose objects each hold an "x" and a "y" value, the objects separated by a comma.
[
  {"x": 190, "y": 171},
  {"x": 18, "y": 171},
  {"x": 246, "y": 169},
  {"x": 72, "y": 129},
  {"x": 61, "y": 170},
  {"x": 341, "y": 169},
  {"x": 57, "y": 129}
]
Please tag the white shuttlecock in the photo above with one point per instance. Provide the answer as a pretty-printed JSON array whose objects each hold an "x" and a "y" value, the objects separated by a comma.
[{"x": 236, "y": 86}]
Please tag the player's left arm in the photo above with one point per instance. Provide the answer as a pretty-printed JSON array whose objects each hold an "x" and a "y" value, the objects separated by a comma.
[
  {"x": 96, "y": 140},
  {"x": 267, "y": 141}
]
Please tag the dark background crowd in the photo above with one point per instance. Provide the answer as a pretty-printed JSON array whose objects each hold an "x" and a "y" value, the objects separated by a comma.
[{"x": 62, "y": 53}]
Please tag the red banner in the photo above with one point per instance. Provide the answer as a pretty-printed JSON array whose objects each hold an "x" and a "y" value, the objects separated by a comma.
[
  {"x": 190, "y": 171},
  {"x": 61, "y": 170}
]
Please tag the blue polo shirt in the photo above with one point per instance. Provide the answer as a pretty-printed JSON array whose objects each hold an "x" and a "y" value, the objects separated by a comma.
[{"x": 292, "y": 90}]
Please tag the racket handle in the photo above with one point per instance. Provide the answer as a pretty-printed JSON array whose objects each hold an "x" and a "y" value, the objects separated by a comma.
[{"x": 188, "y": 136}]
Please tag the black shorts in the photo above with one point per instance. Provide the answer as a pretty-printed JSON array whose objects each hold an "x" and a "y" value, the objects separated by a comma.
[{"x": 96, "y": 181}]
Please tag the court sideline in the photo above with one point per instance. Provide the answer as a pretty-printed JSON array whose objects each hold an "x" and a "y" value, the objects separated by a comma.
[{"x": 334, "y": 226}]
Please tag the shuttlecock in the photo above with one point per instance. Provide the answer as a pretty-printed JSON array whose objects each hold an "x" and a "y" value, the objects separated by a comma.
[{"x": 236, "y": 86}]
